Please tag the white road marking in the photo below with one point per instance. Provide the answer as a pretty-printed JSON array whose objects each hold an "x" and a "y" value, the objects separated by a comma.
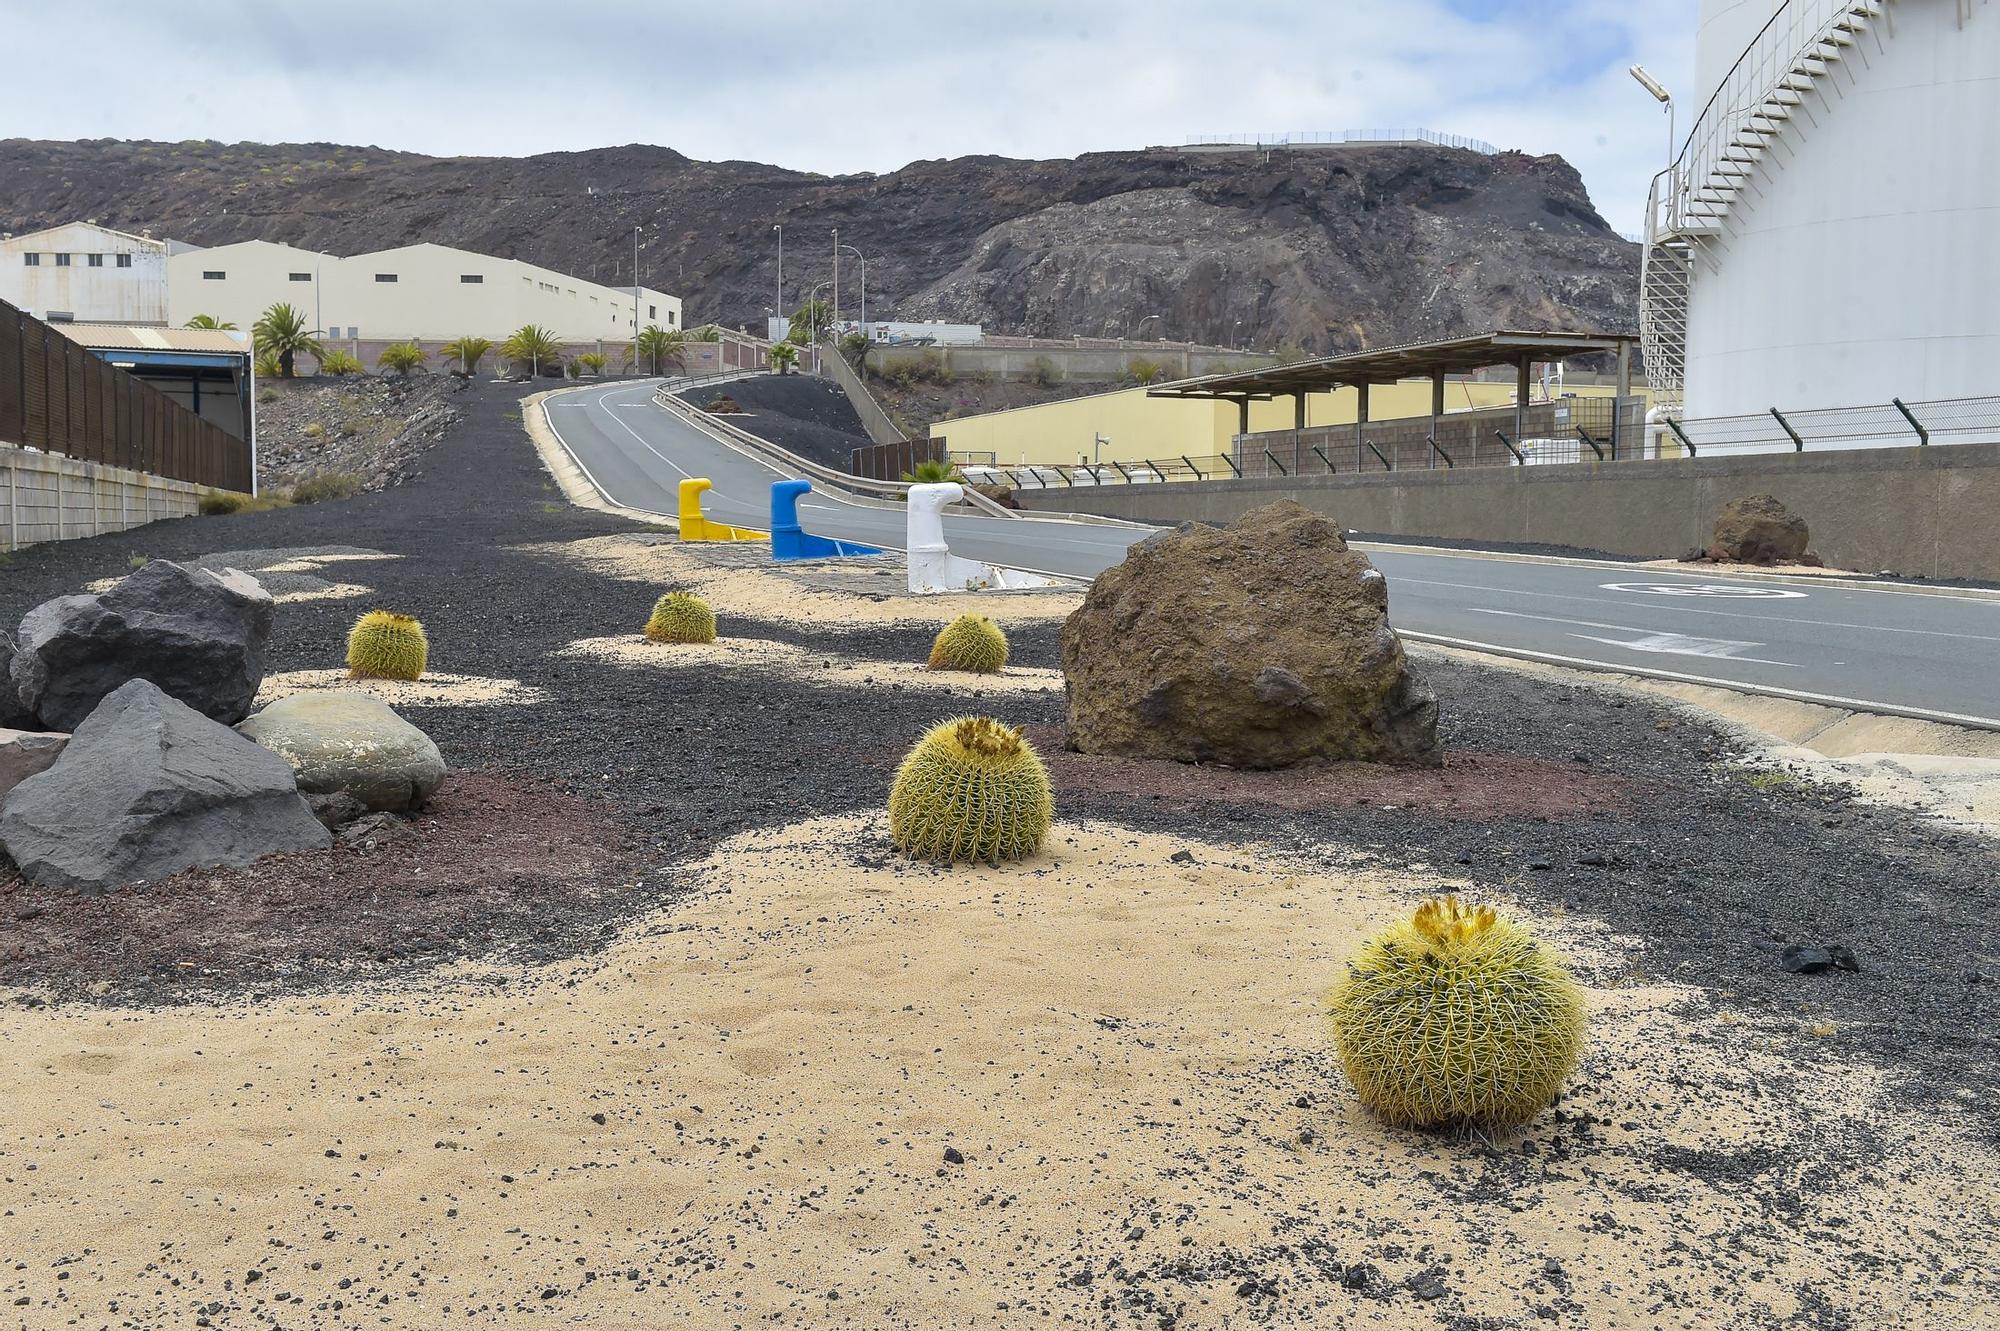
[
  {"x": 1728, "y": 589},
  {"x": 1672, "y": 644}
]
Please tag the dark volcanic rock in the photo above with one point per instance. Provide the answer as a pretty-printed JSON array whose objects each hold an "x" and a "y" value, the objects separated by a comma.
[
  {"x": 1262, "y": 644},
  {"x": 1332, "y": 248},
  {"x": 147, "y": 787},
  {"x": 13, "y": 716},
  {"x": 1757, "y": 529},
  {"x": 200, "y": 636}
]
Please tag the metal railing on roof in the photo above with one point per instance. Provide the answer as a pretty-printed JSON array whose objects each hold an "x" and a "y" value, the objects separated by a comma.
[{"x": 1290, "y": 138}]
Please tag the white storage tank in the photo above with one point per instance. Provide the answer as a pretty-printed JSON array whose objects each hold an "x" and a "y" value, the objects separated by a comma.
[{"x": 1863, "y": 261}]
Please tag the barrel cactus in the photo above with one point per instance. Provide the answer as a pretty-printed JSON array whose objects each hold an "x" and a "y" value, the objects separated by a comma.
[
  {"x": 970, "y": 642},
  {"x": 971, "y": 790},
  {"x": 1458, "y": 1016},
  {"x": 386, "y": 645},
  {"x": 681, "y": 617}
]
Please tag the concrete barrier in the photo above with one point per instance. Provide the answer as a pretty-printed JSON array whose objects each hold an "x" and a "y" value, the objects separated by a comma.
[
  {"x": 47, "y": 497},
  {"x": 1930, "y": 511}
]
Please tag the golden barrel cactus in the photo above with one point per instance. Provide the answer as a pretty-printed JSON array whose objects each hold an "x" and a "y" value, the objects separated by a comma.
[
  {"x": 1459, "y": 1015},
  {"x": 970, "y": 642},
  {"x": 386, "y": 645},
  {"x": 971, "y": 790},
  {"x": 681, "y": 617}
]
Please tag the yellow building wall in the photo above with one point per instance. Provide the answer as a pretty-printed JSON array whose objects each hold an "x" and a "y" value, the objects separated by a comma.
[{"x": 1136, "y": 426}]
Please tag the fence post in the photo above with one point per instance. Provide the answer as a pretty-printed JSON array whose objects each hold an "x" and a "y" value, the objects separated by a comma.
[
  {"x": 1191, "y": 467},
  {"x": 1584, "y": 435},
  {"x": 1501, "y": 435},
  {"x": 1923, "y": 435},
  {"x": 1431, "y": 439},
  {"x": 1680, "y": 434},
  {"x": 1798, "y": 444}
]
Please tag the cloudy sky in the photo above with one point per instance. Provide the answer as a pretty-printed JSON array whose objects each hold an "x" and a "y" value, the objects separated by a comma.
[{"x": 837, "y": 86}]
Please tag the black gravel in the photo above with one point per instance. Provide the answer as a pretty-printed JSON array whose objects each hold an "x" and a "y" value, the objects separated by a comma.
[
  {"x": 1714, "y": 874},
  {"x": 811, "y": 417}
]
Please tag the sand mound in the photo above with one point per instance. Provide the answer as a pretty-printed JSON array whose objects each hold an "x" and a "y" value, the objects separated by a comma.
[
  {"x": 435, "y": 689},
  {"x": 815, "y": 595},
  {"x": 805, "y": 665},
  {"x": 739, "y": 1114}
]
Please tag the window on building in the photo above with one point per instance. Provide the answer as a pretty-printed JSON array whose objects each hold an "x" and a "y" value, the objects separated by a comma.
[
  {"x": 211, "y": 275},
  {"x": 94, "y": 260},
  {"x": 62, "y": 261},
  {"x": 672, "y": 317},
  {"x": 301, "y": 277},
  {"x": 652, "y": 311},
  {"x": 472, "y": 279},
  {"x": 124, "y": 261},
  {"x": 32, "y": 260},
  {"x": 60, "y": 317},
  {"x": 385, "y": 277}
]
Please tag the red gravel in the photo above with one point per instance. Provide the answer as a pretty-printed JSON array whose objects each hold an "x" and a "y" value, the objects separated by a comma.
[{"x": 491, "y": 860}]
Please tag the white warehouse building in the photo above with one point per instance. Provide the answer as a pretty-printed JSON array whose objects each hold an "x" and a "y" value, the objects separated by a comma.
[
  {"x": 425, "y": 292},
  {"x": 81, "y": 272},
  {"x": 1827, "y": 238}
]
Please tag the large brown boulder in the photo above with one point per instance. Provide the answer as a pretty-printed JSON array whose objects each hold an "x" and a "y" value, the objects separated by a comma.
[
  {"x": 1758, "y": 529},
  {"x": 1262, "y": 644}
]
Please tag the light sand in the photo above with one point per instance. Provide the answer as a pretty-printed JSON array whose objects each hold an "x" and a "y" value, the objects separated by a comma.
[
  {"x": 790, "y": 596},
  {"x": 435, "y": 689},
  {"x": 1127, "y": 1050},
  {"x": 811, "y": 666}
]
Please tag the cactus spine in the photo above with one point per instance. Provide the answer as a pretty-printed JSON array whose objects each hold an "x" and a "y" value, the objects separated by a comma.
[
  {"x": 971, "y": 790},
  {"x": 681, "y": 617},
  {"x": 1458, "y": 1016},
  {"x": 970, "y": 642},
  {"x": 386, "y": 645}
]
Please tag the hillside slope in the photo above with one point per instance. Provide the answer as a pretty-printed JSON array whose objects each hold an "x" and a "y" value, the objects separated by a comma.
[{"x": 1330, "y": 249}]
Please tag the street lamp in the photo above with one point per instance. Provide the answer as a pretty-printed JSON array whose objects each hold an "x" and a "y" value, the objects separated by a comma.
[
  {"x": 1236, "y": 335},
  {"x": 1141, "y": 327},
  {"x": 781, "y": 270},
  {"x": 864, "y": 285},
  {"x": 1661, "y": 95},
  {"x": 836, "y": 278},
  {"x": 635, "y": 301}
]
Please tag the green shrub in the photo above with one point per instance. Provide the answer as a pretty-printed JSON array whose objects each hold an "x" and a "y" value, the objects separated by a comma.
[
  {"x": 594, "y": 361},
  {"x": 1145, "y": 371},
  {"x": 970, "y": 642},
  {"x": 386, "y": 645},
  {"x": 213, "y": 503},
  {"x": 267, "y": 394},
  {"x": 402, "y": 357},
  {"x": 681, "y": 617},
  {"x": 971, "y": 790},
  {"x": 323, "y": 486},
  {"x": 314, "y": 430},
  {"x": 1459, "y": 1016},
  {"x": 352, "y": 426},
  {"x": 1042, "y": 372}
]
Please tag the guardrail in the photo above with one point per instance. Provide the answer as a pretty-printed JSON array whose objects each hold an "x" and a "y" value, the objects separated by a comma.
[{"x": 1584, "y": 435}]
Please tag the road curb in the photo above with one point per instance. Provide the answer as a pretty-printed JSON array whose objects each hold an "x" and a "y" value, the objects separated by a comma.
[{"x": 578, "y": 486}]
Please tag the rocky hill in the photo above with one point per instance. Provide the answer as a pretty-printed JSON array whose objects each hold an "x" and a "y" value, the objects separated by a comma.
[{"x": 1329, "y": 249}]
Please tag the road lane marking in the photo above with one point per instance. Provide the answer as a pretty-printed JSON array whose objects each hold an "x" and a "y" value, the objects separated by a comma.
[
  {"x": 1692, "y": 609},
  {"x": 1705, "y": 589},
  {"x": 1734, "y": 685},
  {"x": 1671, "y": 644}
]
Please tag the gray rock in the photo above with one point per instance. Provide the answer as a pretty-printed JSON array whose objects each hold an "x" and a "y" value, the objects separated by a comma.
[
  {"x": 198, "y": 635},
  {"x": 26, "y": 752},
  {"x": 148, "y": 787},
  {"x": 12, "y": 715},
  {"x": 352, "y": 744}
]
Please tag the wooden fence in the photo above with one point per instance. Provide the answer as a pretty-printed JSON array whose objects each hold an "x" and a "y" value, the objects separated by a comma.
[
  {"x": 888, "y": 462},
  {"x": 60, "y": 398}
]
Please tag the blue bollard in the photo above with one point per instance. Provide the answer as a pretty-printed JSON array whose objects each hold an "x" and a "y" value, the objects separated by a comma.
[{"x": 791, "y": 541}]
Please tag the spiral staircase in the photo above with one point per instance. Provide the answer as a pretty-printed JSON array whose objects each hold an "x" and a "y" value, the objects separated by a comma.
[{"x": 1796, "y": 56}]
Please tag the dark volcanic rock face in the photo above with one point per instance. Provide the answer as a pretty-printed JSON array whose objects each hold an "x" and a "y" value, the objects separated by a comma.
[{"x": 1333, "y": 249}]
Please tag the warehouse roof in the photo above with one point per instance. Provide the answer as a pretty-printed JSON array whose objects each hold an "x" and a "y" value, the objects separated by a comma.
[
  {"x": 1387, "y": 365},
  {"x": 133, "y": 337}
]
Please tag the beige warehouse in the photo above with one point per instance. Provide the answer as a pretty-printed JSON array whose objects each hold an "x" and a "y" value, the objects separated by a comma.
[{"x": 424, "y": 292}]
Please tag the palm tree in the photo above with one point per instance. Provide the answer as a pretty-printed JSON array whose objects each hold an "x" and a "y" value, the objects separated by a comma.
[
  {"x": 705, "y": 333},
  {"x": 402, "y": 357},
  {"x": 783, "y": 357},
  {"x": 655, "y": 345},
  {"x": 933, "y": 471},
  {"x": 594, "y": 361},
  {"x": 464, "y": 354},
  {"x": 210, "y": 321},
  {"x": 535, "y": 345},
  {"x": 339, "y": 363},
  {"x": 809, "y": 321},
  {"x": 282, "y": 332}
]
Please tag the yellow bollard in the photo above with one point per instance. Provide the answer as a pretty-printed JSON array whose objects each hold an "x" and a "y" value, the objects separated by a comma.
[{"x": 695, "y": 527}]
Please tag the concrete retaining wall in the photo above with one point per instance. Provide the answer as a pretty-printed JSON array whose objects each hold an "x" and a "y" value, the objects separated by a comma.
[
  {"x": 1070, "y": 364},
  {"x": 1930, "y": 511},
  {"x": 46, "y": 497}
]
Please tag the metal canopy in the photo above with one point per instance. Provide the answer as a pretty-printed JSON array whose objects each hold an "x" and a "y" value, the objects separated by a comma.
[{"x": 1387, "y": 365}]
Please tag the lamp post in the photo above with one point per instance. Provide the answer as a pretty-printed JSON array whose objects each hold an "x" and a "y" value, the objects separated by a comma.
[
  {"x": 780, "y": 307},
  {"x": 812, "y": 329},
  {"x": 864, "y": 286},
  {"x": 1141, "y": 326},
  {"x": 635, "y": 301},
  {"x": 836, "y": 278},
  {"x": 1661, "y": 95}
]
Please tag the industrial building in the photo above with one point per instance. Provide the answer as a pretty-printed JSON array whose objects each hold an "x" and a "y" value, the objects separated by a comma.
[
  {"x": 209, "y": 372},
  {"x": 81, "y": 272},
  {"x": 424, "y": 292},
  {"x": 1825, "y": 236}
]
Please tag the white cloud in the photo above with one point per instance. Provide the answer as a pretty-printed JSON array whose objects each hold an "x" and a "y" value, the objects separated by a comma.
[{"x": 842, "y": 87}]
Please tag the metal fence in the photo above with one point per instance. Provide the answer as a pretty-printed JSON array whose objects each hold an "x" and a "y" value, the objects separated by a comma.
[
  {"x": 1593, "y": 429},
  {"x": 60, "y": 398},
  {"x": 889, "y": 462},
  {"x": 1358, "y": 136}
]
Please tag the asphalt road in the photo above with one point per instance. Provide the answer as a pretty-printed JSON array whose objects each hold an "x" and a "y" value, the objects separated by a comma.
[{"x": 1910, "y": 652}]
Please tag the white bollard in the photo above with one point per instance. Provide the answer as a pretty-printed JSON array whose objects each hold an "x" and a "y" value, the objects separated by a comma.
[{"x": 933, "y": 567}]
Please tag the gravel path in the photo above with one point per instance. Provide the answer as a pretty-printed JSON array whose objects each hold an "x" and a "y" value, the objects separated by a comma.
[{"x": 1604, "y": 805}]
